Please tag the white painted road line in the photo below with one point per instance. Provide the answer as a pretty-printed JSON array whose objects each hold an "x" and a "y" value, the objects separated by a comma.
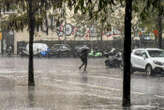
[{"x": 95, "y": 86}]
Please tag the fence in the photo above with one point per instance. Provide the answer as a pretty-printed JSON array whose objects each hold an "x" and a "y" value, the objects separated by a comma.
[{"x": 100, "y": 45}]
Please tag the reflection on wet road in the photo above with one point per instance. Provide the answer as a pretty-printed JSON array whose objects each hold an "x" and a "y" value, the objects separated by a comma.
[{"x": 61, "y": 86}]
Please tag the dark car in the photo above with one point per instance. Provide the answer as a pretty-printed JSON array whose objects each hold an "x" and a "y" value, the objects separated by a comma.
[{"x": 60, "y": 50}]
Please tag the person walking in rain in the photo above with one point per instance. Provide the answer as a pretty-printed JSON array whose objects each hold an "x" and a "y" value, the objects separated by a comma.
[{"x": 84, "y": 57}]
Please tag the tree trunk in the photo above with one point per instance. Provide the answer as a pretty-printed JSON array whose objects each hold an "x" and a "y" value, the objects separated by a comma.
[
  {"x": 102, "y": 28},
  {"x": 31, "y": 38},
  {"x": 156, "y": 42},
  {"x": 160, "y": 28},
  {"x": 127, "y": 52}
]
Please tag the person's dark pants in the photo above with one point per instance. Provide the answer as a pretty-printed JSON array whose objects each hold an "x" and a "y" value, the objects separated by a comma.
[{"x": 84, "y": 63}]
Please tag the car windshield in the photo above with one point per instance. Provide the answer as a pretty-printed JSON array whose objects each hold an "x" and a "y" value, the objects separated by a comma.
[{"x": 156, "y": 53}]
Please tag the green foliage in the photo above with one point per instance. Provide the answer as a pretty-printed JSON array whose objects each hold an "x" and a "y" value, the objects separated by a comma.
[
  {"x": 99, "y": 12},
  {"x": 147, "y": 12},
  {"x": 20, "y": 20}
]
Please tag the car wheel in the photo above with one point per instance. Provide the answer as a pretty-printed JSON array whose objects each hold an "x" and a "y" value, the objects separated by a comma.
[
  {"x": 106, "y": 62},
  {"x": 149, "y": 70}
]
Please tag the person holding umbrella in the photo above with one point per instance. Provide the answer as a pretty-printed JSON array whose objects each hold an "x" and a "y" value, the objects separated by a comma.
[{"x": 84, "y": 57}]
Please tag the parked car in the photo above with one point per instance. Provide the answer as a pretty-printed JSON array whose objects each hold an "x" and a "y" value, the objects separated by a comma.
[
  {"x": 150, "y": 60},
  {"x": 38, "y": 48},
  {"x": 60, "y": 50}
]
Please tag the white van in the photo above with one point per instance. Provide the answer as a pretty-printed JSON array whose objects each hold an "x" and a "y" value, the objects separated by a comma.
[{"x": 37, "y": 48}]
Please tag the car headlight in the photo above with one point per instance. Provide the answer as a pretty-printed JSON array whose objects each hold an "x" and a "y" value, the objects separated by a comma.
[{"x": 158, "y": 63}]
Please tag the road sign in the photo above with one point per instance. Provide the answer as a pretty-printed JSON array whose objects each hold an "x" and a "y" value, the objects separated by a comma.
[{"x": 0, "y": 35}]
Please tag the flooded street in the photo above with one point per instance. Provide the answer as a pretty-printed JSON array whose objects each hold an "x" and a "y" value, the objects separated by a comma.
[{"x": 60, "y": 85}]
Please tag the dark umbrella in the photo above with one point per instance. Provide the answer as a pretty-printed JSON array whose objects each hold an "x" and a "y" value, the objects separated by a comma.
[{"x": 84, "y": 48}]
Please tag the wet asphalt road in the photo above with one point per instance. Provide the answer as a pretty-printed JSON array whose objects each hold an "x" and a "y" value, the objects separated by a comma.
[{"x": 61, "y": 86}]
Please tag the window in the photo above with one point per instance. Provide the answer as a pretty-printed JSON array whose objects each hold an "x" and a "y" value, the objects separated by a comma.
[
  {"x": 144, "y": 54},
  {"x": 156, "y": 53},
  {"x": 138, "y": 52}
]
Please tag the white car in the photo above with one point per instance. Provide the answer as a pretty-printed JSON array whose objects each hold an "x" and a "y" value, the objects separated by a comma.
[
  {"x": 150, "y": 60},
  {"x": 37, "y": 48}
]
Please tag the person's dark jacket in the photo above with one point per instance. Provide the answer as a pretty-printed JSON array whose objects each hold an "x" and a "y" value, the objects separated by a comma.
[{"x": 84, "y": 54}]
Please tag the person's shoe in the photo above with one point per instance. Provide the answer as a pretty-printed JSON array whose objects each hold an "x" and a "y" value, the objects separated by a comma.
[{"x": 85, "y": 70}]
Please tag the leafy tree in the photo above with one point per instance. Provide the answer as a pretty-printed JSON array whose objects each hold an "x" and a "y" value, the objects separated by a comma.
[
  {"x": 152, "y": 12},
  {"x": 93, "y": 8},
  {"x": 102, "y": 19},
  {"x": 28, "y": 14}
]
